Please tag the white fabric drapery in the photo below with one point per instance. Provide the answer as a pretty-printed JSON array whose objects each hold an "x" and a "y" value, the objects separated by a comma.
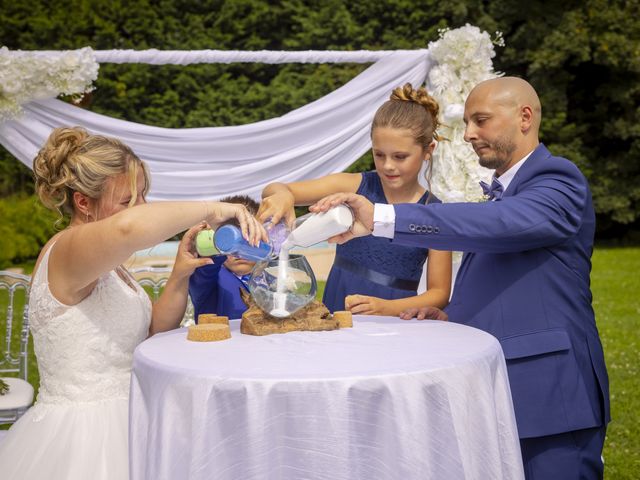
[
  {"x": 185, "y": 57},
  {"x": 322, "y": 137}
]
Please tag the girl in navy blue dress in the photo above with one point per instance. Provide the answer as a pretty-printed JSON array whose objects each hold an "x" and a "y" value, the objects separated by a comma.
[{"x": 370, "y": 275}]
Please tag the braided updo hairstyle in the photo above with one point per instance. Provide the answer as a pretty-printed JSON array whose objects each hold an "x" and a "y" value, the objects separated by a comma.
[
  {"x": 410, "y": 109},
  {"x": 413, "y": 110},
  {"x": 73, "y": 160}
]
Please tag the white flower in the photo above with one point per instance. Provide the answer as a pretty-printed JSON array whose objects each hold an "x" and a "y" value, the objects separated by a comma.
[
  {"x": 10, "y": 86},
  {"x": 453, "y": 112},
  {"x": 27, "y": 76},
  {"x": 463, "y": 59}
]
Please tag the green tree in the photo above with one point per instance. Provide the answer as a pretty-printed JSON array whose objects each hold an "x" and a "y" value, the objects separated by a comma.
[
  {"x": 584, "y": 60},
  {"x": 582, "y": 56}
]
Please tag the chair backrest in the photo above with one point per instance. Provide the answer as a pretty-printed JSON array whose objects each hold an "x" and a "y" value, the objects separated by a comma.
[
  {"x": 14, "y": 307},
  {"x": 156, "y": 278},
  {"x": 153, "y": 277}
]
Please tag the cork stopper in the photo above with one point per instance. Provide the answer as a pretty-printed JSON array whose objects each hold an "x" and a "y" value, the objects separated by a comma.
[
  {"x": 208, "y": 318},
  {"x": 209, "y": 332},
  {"x": 344, "y": 318}
]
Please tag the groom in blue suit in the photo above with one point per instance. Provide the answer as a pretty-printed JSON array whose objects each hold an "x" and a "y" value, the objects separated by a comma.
[{"x": 524, "y": 276}]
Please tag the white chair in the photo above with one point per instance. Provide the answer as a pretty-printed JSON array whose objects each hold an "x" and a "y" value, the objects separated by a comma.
[
  {"x": 156, "y": 278},
  {"x": 13, "y": 351}
]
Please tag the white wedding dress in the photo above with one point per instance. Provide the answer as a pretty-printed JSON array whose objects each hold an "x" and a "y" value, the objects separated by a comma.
[{"x": 78, "y": 427}]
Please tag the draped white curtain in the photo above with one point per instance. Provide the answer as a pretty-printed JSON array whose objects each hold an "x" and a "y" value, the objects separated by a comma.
[
  {"x": 185, "y": 57},
  {"x": 319, "y": 138}
]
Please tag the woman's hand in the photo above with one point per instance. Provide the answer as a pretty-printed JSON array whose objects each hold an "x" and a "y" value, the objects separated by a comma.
[
  {"x": 366, "y": 305},
  {"x": 187, "y": 259},
  {"x": 424, "y": 313},
  {"x": 252, "y": 229},
  {"x": 362, "y": 210},
  {"x": 278, "y": 206}
]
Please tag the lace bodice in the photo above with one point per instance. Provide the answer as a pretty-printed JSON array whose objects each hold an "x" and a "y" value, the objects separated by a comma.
[
  {"x": 378, "y": 253},
  {"x": 85, "y": 351}
]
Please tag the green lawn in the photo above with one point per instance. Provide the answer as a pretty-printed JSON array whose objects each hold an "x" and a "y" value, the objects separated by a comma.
[
  {"x": 616, "y": 300},
  {"x": 616, "y": 293}
]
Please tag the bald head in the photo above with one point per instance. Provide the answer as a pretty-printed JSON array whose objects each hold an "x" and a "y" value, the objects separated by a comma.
[
  {"x": 511, "y": 92},
  {"x": 503, "y": 119}
]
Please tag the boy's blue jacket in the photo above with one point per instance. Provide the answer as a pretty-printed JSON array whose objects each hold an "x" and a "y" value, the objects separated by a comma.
[{"x": 214, "y": 289}]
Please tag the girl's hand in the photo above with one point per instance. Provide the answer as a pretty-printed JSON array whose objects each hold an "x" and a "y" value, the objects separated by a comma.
[
  {"x": 362, "y": 210},
  {"x": 187, "y": 259},
  {"x": 365, "y": 305},
  {"x": 252, "y": 229},
  {"x": 277, "y": 207},
  {"x": 424, "y": 313}
]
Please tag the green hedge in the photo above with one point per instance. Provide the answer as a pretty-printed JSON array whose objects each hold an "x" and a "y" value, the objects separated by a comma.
[{"x": 25, "y": 226}]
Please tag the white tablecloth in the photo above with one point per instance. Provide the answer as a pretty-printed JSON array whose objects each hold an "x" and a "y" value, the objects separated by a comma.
[{"x": 386, "y": 399}]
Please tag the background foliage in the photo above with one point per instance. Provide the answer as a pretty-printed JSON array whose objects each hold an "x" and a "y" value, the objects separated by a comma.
[
  {"x": 25, "y": 227},
  {"x": 582, "y": 56}
]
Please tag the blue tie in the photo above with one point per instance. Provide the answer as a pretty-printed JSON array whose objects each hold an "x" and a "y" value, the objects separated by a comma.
[
  {"x": 494, "y": 191},
  {"x": 245, "y": 280}
]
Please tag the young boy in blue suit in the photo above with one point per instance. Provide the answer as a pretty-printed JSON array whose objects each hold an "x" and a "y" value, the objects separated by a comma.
[{"x": 215, "y": 288}]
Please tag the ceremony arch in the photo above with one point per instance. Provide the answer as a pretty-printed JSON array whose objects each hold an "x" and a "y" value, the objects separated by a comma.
[{"x": 322, "y": 137}]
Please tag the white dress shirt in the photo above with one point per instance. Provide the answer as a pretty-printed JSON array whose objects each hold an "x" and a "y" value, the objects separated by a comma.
[
  {"x": 384, "y": 215},
  {"x": 506, "y": 177}
]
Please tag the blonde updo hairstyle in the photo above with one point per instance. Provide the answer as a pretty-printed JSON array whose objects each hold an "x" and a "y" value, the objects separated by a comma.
[
  {"x": 413, "y": 110},
  {"x": 73, "y": 160}
]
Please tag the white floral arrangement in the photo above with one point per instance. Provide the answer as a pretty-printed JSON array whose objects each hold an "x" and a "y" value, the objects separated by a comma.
[
  {"x": 27, "y": 76},
  {"x": 463, "y": 59}
]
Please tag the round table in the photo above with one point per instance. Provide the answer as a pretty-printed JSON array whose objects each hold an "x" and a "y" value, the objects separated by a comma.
[{"x": 386, "y": 399}]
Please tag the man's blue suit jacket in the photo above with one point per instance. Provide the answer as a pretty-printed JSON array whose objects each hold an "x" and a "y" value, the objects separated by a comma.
[
  {"x": 214, "y": 289},
  {"x": 524, "y": 278}
]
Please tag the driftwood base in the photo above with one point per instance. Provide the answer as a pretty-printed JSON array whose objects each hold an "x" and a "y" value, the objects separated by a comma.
[{"x": 313, "y": 317}]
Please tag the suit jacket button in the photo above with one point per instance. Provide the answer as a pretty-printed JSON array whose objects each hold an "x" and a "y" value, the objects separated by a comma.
[
  {"x": 412, "y": 227},
  {"x": 436, "y": 229},
  {"x": 429, "y": 229}
]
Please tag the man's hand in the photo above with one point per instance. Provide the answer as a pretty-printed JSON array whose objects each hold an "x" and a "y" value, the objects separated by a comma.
[
  {"x": 424, "y": 313},
  {"x": 362, "y": 210}
]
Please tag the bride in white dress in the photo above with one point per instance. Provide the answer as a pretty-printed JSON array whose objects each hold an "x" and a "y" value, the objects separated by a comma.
[{"x": 87, "y": 314}]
